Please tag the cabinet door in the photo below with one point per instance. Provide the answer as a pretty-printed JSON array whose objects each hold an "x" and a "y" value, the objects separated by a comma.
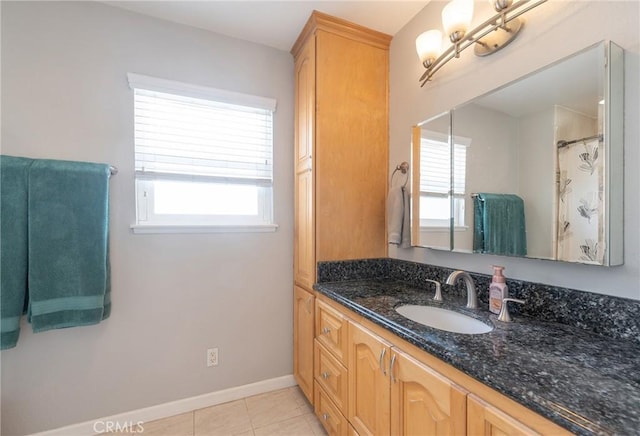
[
  {"x": 352, "y": 142},
  {"x": 423, "y": 402},
  {"x": 304, "y": 221},
  {"x": 305, "y": 101},
  {"x": 483, "y": 419},
  {"x": 303, "y": 327},
  {"x": 304, "y": 236},
  {"x": 368, "y": 382}
]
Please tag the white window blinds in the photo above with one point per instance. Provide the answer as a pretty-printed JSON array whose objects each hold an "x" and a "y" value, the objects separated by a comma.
[
  {"x": 435, "y": 164},
  {"x": 195, "y": 133}
]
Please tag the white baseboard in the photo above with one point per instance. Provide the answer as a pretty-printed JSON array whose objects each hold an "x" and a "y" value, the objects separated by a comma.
[{"x": 173, "y": 408}]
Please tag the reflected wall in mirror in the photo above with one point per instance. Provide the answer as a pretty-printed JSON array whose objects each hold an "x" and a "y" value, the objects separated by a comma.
[
  {"x": 536, "y": 165},
  {"x": 431, "y": 199}
]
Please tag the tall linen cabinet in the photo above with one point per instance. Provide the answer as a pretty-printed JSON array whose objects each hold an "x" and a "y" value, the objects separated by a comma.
[{"x": 341, "y": 159}]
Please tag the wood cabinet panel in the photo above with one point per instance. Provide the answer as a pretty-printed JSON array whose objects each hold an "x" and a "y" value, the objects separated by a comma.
[
  {"x": 483, "y": 419},
  {"x": 424, "y": 402},
  {"x": 331, "y": 331},
  {"x": 332, "y": 376},
  {"x": 304, "y": 218},
  {"x": 305, "y": 80},
  {"x": 303, "y": 332},
  {"x": 304, "y": 252},
  {"x": 369, "y": 388},
  {"x": 341, "y": 142},
  {"x": 332, "y": 420},
  {"x": 351, "y": 148}
]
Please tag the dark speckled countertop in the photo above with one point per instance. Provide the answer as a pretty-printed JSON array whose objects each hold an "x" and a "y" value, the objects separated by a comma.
[{"x": 586, "y": 383}]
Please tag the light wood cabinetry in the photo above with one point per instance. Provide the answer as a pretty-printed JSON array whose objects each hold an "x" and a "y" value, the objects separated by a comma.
[
  {"x": 341, "y": 146},
  {"x": 303, "y": 332},
  {"x": 304, "y": 219},
  {"x": 392, "y": 393},
  {"x": 331, "y": 331},
  {"x": 330, "y": 415},
  {"x": 487, "y": 420},
  {"x": 341, "y": 143},
  {"x": 396, "y": 388},
  {"x": 331, "y": 375},
  {"x": 369, "y": 384},
  {"x": 423, "y": 402},
  {"x": 330, "y": 371}
]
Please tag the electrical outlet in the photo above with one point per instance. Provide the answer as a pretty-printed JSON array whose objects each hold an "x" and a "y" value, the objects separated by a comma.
[{"x": 212, "y": 357}]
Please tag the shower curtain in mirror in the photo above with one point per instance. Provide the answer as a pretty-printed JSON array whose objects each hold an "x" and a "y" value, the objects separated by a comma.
[{"x": 580, "y": 203}]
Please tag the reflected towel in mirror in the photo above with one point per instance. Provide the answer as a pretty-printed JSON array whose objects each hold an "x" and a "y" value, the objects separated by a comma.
[{"x": 499, "y": 224}]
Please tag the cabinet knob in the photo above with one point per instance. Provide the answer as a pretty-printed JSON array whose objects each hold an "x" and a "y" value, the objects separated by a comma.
[
  {"x": 325, "y": 375},
  {"x": 325, "y": 416},
  {"x": 326, "y": 330}
]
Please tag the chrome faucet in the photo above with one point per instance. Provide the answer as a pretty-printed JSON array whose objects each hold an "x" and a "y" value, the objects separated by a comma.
[{"x": 472, "y": 299}]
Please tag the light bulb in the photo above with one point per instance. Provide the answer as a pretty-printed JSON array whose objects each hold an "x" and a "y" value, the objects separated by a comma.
[
  {"x": 428, "y": 46},
  {"x": 456, "y": 18}
]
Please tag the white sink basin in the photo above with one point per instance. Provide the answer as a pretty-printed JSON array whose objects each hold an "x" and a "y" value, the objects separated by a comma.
[{"x": 443, "y": 319}]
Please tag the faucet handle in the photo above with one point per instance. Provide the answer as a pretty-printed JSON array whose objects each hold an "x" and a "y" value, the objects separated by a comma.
[
  {"x": 504, "y": 311},
  {"x": 438, "y": 296}
]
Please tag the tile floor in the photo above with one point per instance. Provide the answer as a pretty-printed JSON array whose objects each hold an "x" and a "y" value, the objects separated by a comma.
[{"x": 285, "y": 412}]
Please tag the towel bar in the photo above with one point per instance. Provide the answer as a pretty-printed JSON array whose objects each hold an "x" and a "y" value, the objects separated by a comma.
[{"x": 113, "y": 170}]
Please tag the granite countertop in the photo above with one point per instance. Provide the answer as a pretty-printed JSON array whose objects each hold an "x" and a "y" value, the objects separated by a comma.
[{"x": 586, "y": 383}]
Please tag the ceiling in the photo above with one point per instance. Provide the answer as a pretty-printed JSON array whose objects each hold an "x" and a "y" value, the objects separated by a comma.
[{"x": 275, "y": 23}]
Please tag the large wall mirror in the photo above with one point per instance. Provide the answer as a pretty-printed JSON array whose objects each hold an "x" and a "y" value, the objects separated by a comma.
[{"x": 532, "y": 169}]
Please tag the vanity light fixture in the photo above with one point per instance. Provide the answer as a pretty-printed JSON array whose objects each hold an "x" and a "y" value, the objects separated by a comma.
[{"x": 489, "y": 37}]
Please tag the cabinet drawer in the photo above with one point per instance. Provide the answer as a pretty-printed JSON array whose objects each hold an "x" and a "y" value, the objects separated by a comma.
[
  {"x": 331, "y": 331},
  {"x": 332, "y": 420},
  {"x": 332, "y": 376}
]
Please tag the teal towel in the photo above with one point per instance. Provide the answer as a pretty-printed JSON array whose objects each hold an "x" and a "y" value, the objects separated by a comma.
[
  {"x": 13, "y": 246},
  {"x": 68, "y": 244},
  {"x": 499, "y": 225}
]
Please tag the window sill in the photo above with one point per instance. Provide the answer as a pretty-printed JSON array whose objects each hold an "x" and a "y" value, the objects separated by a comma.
[{"x": 158, "y": 229}]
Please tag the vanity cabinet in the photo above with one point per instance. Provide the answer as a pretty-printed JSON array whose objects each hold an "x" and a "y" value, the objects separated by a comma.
[
  {"x": 392, "y": 393},
  {"x": 341, "y": 146},
  {"x": 396, "y": 388}
]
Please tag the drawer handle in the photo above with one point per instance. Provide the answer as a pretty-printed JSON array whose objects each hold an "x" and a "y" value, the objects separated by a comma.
[
  {"x": 325, "y": 416},
  {"x": 325, "y": 375},
  {"x": 326, "y": 330},
  {"x": 393, "y": 361},
  {"x": 382, "y": 353}
]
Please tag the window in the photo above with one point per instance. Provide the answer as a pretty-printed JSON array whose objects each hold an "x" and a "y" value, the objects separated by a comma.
[
  {"x": 435, "y": 180},
  {"x": 203, "y": 157}
]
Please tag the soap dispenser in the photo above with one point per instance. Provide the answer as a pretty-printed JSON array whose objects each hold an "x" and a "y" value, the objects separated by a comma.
[{"x": 498, "y": 290}]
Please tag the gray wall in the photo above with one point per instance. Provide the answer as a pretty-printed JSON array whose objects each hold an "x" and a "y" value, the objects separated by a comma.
[
  {"x": 65, "y": 96},
  {"x": 553, "y": 31}
]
